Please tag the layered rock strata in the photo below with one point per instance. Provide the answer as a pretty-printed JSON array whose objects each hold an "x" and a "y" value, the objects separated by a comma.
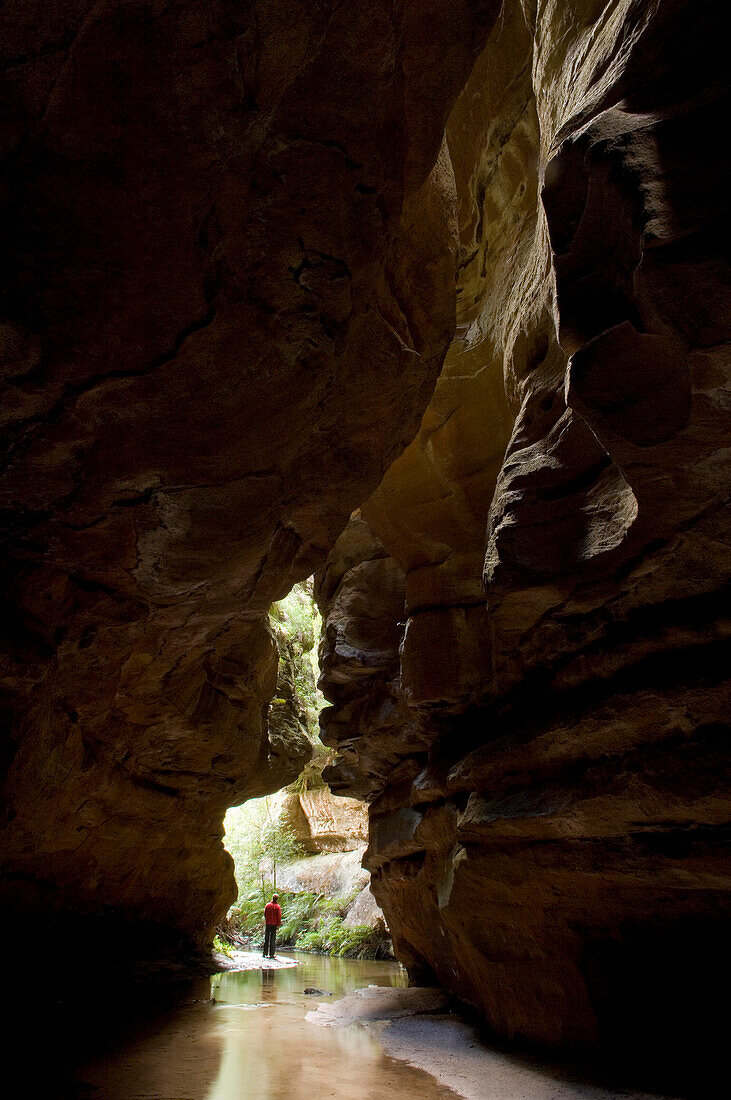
[
  {"x": 545, "y": 755},
  {"x": 230, "y": 237},
  {"x": 227, "y": 290},
  {"x": 321, "y": 822}
]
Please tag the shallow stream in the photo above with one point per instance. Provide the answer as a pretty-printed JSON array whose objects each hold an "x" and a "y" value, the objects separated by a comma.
[
  {"x": 246, "y": 1034},
  {"x": 254, "y": 1042}
]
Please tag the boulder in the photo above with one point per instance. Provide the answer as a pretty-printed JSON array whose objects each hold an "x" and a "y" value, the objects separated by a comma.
[{"x": 335, "y": 874}]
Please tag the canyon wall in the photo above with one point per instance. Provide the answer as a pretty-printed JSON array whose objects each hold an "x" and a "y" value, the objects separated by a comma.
[
  {"x": 524, "y": 623},
  {"x": 227, "y": 291},
  {"x": 459, "y": 266}
]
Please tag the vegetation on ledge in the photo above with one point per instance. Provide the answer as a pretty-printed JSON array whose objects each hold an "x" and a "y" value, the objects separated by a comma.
[
  {"x": 310, "y": 922},
  {"x": 261, "y": 844}
]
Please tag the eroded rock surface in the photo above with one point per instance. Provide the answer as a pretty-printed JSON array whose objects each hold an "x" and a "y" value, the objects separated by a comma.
[
  {"x": 228, "y": 288},
  {"x": 322, "y": 822},
  {"x": 231, "y": 239},
  {"x": 546, "y": 766}
]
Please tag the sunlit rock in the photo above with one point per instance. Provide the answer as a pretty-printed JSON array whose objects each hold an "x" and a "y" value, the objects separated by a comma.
[{"x": 548, "y": 812}]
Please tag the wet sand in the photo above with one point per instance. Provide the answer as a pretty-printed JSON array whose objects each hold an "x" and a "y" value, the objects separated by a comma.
[
  {"x": 252, "y": 960},
  {"x": 411, "y": 1025}
]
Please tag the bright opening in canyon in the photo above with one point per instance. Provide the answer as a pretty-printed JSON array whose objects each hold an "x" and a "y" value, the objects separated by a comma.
[{"x": 302, "y": 843}]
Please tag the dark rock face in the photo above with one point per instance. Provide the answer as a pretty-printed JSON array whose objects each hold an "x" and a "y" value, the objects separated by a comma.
[
  {"x": 230, "y": 240},
  {"x": 548, "y": 818},
  {"x": 228, "y": 288}
]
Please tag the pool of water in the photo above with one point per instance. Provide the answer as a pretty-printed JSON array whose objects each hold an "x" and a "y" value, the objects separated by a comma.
[{"x": 244, "y": 1035}]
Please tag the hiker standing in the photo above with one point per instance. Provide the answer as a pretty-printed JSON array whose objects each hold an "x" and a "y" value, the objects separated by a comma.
[{"x": 272, "y": 920}]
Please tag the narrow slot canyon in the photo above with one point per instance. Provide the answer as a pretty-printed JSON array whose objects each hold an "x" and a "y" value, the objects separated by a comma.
[{"x": 420, "y": 308}]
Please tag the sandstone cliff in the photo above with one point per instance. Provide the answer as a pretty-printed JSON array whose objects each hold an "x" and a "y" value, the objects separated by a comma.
[
  {"x": 227, "y": 290},
  {"x": 334, "y": 831},
  {"x": 231, "y": 236},
  {"x": 537, "y": 712},
  {"x": 321, "y": 822}
]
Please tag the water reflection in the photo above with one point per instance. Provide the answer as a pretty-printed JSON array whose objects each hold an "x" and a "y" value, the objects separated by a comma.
[
  {"x": 268, "y": 985},
  {"x": 252, "y": 1041},
  {"x": 277, "y": 1055},
  {"x": 335, "y": 976}
]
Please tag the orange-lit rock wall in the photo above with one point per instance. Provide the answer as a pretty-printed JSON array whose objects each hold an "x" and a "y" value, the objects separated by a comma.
[{"x": 543, "y": 736}]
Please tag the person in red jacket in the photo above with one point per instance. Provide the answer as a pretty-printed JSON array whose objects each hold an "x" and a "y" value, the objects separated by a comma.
[{"x": 272, "y": 920}]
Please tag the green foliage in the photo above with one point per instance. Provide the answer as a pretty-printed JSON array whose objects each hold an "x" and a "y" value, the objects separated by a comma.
[
  {"x": 259, "y": 844},
  {"x": 247, "y": 916},
  {"x": 222, "y": 946},
  {"x": 297, "y": 613},
  {"x": 333, "y": 938},
  {"x": 310, "y": 922},
  {"x": 296, "y": 623}
]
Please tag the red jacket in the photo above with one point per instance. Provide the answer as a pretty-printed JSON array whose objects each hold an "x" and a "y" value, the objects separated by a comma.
[{"x": 273, "y": 914}]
